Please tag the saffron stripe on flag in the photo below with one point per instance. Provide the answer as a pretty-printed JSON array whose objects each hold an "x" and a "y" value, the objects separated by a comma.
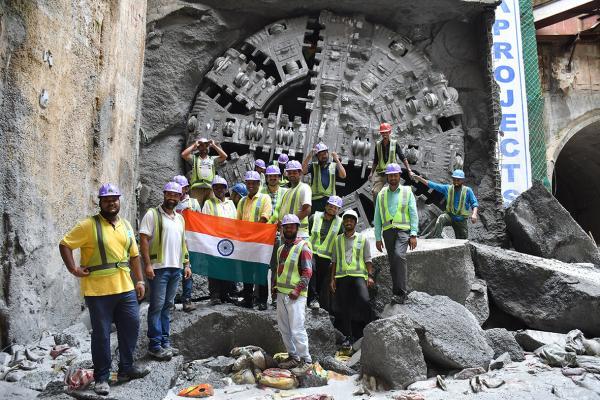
[
  {"x": 229, "y": 248},
  {"x": 229, "y": 269}
]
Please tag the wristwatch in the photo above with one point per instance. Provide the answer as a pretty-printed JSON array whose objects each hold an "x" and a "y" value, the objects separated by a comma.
[{"x": 142, "y": 282}]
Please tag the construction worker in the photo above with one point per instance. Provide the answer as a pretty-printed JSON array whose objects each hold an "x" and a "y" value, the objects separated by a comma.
[
  {"x": 282, "y": 160},
  {"x": 163, "y": 247},
  {"x": 323, "y": 175},
  {"x": 203, "y": 167},
  {"x": 290, "y": 284},
  {"x": 298, "y": 199},
  {"x": 108, "y": 249},
  {"x": 324, "y": 228},
  {"x": 238, "y": 191},
  {"x": 386, "y": 152},
  {"x": 396, "y": 218},
  {"x": 351, "y": 276},
  {"x": 460, "y": 201},
  {"x": 186, "y": 203},
  {"x": 255, "y": 207},
  {"x": 219, "y": 206}
]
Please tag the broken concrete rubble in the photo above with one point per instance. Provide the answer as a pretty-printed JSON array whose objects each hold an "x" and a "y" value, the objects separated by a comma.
[
  {"x": 477, "y": 301},
  {"x": 502, "y": 341},
  {"x": 531, "y": 340}
]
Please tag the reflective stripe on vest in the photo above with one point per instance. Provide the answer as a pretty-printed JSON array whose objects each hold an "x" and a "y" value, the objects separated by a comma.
[
  {"x": 357, "y": 266},
  {"x": 289, "y": 278},
  {"x": 324, "y": 249},
  {"x": 255, "y": 214},
  {"x": 212, "y": 207},
  {"x": 318, "y": 191},
  {"x": 156, "y": 248},
  {"x": 381, "y": 163},
  {"x": 276, "y": 203},
  {"x": 101, "y": 265},
  {"x": 290, "y": 203},
  {"x": 461, "y": 210},
  {"x": 401, "y": 218},
  {"x": 196, "y": 179}
]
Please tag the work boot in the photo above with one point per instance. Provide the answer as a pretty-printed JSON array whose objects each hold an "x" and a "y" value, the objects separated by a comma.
[
  {"x": 314, "y": 304},
  {"x": 173, "y": 350},
  {"x": 188, "y": 306},
  {"x": 274, "y": 304},
  {"x": 245, "y": 304},
  {"x": 102, "y": 388},
  {"x": 215, "y": 301},
  {"x": 134, "y": 373},
  {"x": 262, "y": 307},
  {"x": 301, "y": 368},
  {"x": 289, "y": 363},
  {"x": 160, "y": 354},
  {"x": 398, "y": 299}
]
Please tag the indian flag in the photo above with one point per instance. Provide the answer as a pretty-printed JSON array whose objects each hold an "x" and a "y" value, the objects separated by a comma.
[{"x": 229, "y": 249}]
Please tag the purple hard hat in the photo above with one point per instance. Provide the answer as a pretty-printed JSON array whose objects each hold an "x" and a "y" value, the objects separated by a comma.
[
  {"x": 335, "y": 201},
  {"x": 272, "y": 170},
  {"x": 108, "y": 189},
  {"x": 219, "y": 180},
  {"x": 321, "y": 147},
  {"x": 293, "y": 165},
  {"x": 252, "y": 176},
  {"x": 290, "y": 219},
  {"x": 393, "y": 168},
  {"x": 182, "y": 180},
  {"x": 283, "y": 158},
  {"x": 172, "y": 187},
  {"x": 260, "y": 163}
]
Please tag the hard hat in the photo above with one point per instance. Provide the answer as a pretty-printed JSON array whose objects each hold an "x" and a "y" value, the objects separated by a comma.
[
  {"x": 252, "y": 176},
  {"x": 240, "y": 189},
  {"x": 393, "y": 168},
  {"x": 335, "y": 201},
  {"x": 293, "y": 165},
  {"x": 283, "y": 158},
  {"x": 290, "y": 219},
  {"x": 385, "y": 127},
  {"x": 202, "y": 140},
  {"x": 219, "y": 180},
  {"x": 260, "y": 163},
  {"x": 458, "y": 174},
  {"x": 172, "y": 187},
  {"x": 350, "y": 213},
  {"x": 182, "y": 180},
  {"x": 272, "y": 170},
  {"x": 321, "y": 147},
  {"x": 108, "y": 189}
]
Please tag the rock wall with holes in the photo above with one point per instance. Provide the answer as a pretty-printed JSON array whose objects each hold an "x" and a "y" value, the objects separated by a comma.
[
  {"x": 70, "y": 84},
  {"x": 190, "y": 44}
]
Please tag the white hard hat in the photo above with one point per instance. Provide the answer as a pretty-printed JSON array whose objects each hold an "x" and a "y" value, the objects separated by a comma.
[{"x": 350, "y": 213}]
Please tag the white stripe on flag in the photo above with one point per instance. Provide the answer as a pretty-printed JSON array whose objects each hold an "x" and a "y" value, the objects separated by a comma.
[{"x": 228, "y": 248}]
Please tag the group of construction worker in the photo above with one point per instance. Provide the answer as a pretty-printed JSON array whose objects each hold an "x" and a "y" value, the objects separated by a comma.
[{"x": 319, "y": 260}]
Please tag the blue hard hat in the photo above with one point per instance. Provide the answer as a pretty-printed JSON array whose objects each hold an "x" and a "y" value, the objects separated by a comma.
[
  {"x": 458, "y": 174},
  {"x": 240, "y": 189}
]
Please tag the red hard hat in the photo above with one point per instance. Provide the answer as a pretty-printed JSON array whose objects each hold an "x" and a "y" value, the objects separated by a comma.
[{"x": 385, "y": 127}]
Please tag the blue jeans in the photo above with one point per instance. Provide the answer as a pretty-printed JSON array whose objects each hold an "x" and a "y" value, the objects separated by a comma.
[
  {"x": 162, "y": 293},
  {"x": 123, "y": 310},
  {"x": 186, "y": 293}
]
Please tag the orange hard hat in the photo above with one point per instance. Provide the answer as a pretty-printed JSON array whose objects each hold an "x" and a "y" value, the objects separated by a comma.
[{"x": 385, "y": 127}]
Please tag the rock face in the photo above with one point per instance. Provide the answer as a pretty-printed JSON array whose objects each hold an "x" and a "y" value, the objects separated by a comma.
[
  {"x": 502, "y": 341},
  {"x": 477, "y": 301},
  {"x": 69, "y": 122},
  {"x": 436, "y": 266},
  {"x": 539, "y": 225},
  {"x": 391, "y": 352},
  {"x": 450, "y": 335},
  {"x": 545, "y": 294}
]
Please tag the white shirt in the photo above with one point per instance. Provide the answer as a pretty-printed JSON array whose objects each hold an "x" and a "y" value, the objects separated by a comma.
[
  {"x": 173, "y": 228},
  {"x": 226, "y": 208}
]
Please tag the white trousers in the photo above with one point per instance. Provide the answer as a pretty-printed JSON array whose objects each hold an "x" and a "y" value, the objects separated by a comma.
[{"x": 290, "y": 320}]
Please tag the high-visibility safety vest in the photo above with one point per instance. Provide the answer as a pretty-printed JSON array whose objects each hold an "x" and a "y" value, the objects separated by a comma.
[
  {"x": 381, "y": 163},
  {"x": 290, "y": 203},
  {"x": 357, "y": 266},
  {"x": 275, "y": 201},
  {"x": 255, "y": 214},
  {"x": 283, "y": 182},
  {"x": 289, "y": 278},
  {"x": 461, "y": 210},
  {"x": 192, "y": 204},
  {"x": 200, "y": 177},
  {"x": 401, "y": 218},
  {"x": 324, "y": 249},
  {"x": 318, "y": 191},
  {"x": 156, "y": 248},
  {"x": 214, "y": 209},
  {"x": 103, "y": 264}
]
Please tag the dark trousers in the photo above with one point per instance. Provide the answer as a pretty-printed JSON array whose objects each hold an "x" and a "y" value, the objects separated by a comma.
[
  {"x": 318, "y": 287},
  {"x": 123, "y": 310},
  {"x": 187, "y": 284},
  {"x": 219, "y": 289},
  {"x": 263, "y": 293},
  {"x": 396, "y": 244},
  {"x": 352, "y": 307}
]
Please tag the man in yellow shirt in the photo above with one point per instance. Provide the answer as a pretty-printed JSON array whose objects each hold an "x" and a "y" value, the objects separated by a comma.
[{"x": 108, "y": 249}]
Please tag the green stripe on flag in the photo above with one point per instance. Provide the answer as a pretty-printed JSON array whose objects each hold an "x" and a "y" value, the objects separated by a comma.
[{"x": 228, "y": 269}]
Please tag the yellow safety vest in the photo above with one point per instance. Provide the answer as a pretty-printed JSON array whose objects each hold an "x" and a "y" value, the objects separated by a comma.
[
  {"x": 198, "y": 181},
  {"x": 401, "y": 218},
  {"x": 289, "y": 278},
  {"x": 101, "y": 264},
  {"x": 357, "y": 267},
  {"x": 156, "y": 248},
  {"x": 381, "y": 164},
  {"x": 275, "y": 202},
  {"x": 318, "y": 191},
  {"x": 324, "y": 249},
  {"x": 461, "y": 210},
  {"x": 255, "y": 214},
  {"x": 290, "y": 203}
]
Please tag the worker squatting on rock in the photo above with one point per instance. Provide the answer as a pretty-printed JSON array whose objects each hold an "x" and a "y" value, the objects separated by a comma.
[
  {"x": 108, "y": 250},
  {"x": 323, "y": 175},
  {"x": 165, "y": 254},
  {"x": 397, "y": 223},
  {"x": 460, "y": 199}
]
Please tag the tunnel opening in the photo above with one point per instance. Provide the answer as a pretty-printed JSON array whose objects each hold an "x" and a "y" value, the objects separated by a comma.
[{"x": 576, "y": 178}]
